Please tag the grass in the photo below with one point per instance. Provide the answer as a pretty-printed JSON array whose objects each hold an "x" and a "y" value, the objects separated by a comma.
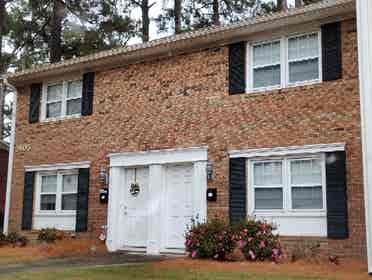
[{"x": 147, "y": 272}]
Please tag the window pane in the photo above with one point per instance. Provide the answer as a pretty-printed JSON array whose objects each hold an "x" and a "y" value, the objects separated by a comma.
[
  {"x": 69, "y": 201},
  {"x": 307, "y": 198},
  {"x": 73, "y": 107},
  {"x": 303, "y": 47},
  {"x": 268, "y": 198},
  {"x": 306, "y": 70},
  {"x": 70, "y": 183},
  {"x": 266, "y": 54},
  {"x": 306, "y": 172},
  {"x": 48, "y": 202},
  {"x": 49, "y": 184},
  {"x": 54, "y": 110},
  {"x": 74, "y": 89},
  {"x": 54, "y": 93},
  {"x": 268, "y": 173},
  {"x": 266, "y": 76}
]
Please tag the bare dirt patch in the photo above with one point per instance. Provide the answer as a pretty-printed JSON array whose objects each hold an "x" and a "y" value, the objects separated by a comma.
[{"x": 347, "y": 269}]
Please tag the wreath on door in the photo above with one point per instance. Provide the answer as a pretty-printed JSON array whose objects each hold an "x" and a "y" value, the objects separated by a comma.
[{"x": 134, "y": 188}]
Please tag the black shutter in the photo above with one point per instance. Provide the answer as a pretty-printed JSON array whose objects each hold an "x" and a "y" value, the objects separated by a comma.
[
  {"x": 82, "y": 200},
  {"x": 337, "y": 217},
  {"x": 88, "y": 92},
  {"x": 28, "y": 201},
  {"x": 332, "y": 51},
  {"x": 35, "y": 103},
  {"x": 238, "y": 190},
  {"x": 237, "y": 68}
]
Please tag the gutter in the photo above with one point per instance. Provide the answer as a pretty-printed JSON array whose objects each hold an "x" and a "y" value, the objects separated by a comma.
[{"x": 5, "y": 82}]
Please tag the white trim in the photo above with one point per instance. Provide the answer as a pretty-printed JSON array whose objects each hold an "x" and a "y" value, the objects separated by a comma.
[
  {"x": 364, "y": 21},
  {"x": 177, "y": 155},
  {"x": 11, "y": 160},
  {"x": 57, "y": 166},
  {"x": 284, "y": 151}
]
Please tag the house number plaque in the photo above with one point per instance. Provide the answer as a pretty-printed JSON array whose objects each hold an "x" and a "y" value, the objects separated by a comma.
[{"x": 23, "y": 148}]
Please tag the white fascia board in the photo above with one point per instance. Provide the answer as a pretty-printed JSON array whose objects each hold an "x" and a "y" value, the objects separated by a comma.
[
  {"x": 57, "y": 166},
  {"x": 165, "y": 156},
  {"x": 285, "y": 151}
]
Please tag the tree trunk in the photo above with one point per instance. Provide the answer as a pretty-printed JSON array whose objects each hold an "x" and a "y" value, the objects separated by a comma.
[
  {"x": 177, "y": 16},
  {"x": 2, "y": 31},
  {"x": 2, "y": 66},
  {"x": 282, "y": 5},
  {"x": 55, "y": 43},
  {"x": 145, "y": 21},
  {"x": 298, "y": 3},
  {"x": 216, "y": 12}
]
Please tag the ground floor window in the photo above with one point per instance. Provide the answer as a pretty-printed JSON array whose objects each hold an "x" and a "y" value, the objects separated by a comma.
[
  {"x": 56, "y": 192},
  {"x": 288, "y": 184}
]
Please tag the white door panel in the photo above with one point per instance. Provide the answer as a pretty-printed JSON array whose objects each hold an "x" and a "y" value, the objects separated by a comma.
[
  {"x": 178, "y": 204},
  {"x": 135, "y": 208}
]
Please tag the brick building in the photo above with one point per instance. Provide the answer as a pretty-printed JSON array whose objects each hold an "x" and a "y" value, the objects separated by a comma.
[{"x": 263, "y": 115}]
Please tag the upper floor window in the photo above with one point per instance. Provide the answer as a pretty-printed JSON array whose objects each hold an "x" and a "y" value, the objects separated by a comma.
[
  {"x": 62, "y": 99},
  {"x": 285, "y": 62}
]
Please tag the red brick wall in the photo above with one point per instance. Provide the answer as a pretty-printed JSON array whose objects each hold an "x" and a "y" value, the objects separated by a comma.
[
  {"x": 183, "y": 101},
  {"x": 3, "y": 174}
]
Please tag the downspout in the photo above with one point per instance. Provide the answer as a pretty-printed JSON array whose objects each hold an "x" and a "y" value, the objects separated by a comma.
[{"x": 5, "y": 82}]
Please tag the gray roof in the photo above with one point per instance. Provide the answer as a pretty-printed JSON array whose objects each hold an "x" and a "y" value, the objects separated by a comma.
[{"x": 186, "y": 42}]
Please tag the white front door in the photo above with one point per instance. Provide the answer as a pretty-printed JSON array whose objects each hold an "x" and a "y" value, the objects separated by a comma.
[
  {"x": 178, "y": 204},
  {"x": 135, "y": 207}
]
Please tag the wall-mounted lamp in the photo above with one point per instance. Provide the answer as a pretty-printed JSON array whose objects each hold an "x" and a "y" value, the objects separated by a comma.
[{"x": 210, "y": 170}]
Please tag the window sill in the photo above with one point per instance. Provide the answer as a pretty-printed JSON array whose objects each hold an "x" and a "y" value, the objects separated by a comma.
[
  {"x": 57, "y": 120},
  {"x": 55, "y": 214},
  {"x": 277, "y": 88},
  {"x": 294, "y": 214}
]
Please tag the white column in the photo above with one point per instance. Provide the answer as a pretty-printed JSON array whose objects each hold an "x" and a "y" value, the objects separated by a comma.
[
  {"x": 154, "y": 214},
  {"x": 364, "y": 18},
  {"x": 114, "y": 209},
  {"x": 200, "y": 190}
]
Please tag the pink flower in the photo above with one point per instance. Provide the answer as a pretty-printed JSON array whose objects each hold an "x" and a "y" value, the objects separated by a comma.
[
  {"x": 262, "y": 244},
  {"x": 250, "y": 239},
  {"x": 252, "y": 255},
  {"x": 242, "y": 244},
  {"x": 194, "y": 254}
]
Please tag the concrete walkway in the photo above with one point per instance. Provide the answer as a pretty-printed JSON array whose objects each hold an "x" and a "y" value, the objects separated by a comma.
[{"x": 114, "y": 259}]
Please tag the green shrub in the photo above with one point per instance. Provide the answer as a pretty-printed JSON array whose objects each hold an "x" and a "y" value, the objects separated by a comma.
[
  {"x": 257, "y": 241},
  {"x": 16, "y": 239},
  {"x": 49, "y": 235},
  {"x": 215, "y": 239},
  {"x": 209, "y": 240}
]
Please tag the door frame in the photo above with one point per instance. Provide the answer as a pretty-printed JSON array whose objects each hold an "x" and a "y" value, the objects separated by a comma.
[{"x": 156, "y": 160}]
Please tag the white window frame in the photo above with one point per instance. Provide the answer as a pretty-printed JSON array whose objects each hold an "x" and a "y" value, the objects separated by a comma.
[
  {"x": 287, "y": 188},
  {"x": 284, "y": 63},
  {"x": 64, "y": 100},
  {"x": 58, "y": 210}
]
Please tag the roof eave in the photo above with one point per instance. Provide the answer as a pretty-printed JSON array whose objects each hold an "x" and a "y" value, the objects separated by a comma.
[{"x": 174, "y": 45}]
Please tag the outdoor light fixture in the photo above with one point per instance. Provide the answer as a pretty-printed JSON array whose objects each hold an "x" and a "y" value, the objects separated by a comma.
[{"x": 210, "y": 170}]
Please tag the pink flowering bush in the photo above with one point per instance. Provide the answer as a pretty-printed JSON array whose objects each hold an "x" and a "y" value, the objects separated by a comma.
[
  {"x": 212, "y": 239},
  {"x": 257, "y": 241},
  {"x": 215, "y": 239}
]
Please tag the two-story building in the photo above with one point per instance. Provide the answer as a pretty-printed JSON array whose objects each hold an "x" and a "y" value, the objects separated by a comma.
[{"x": 260, "y": 118}]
